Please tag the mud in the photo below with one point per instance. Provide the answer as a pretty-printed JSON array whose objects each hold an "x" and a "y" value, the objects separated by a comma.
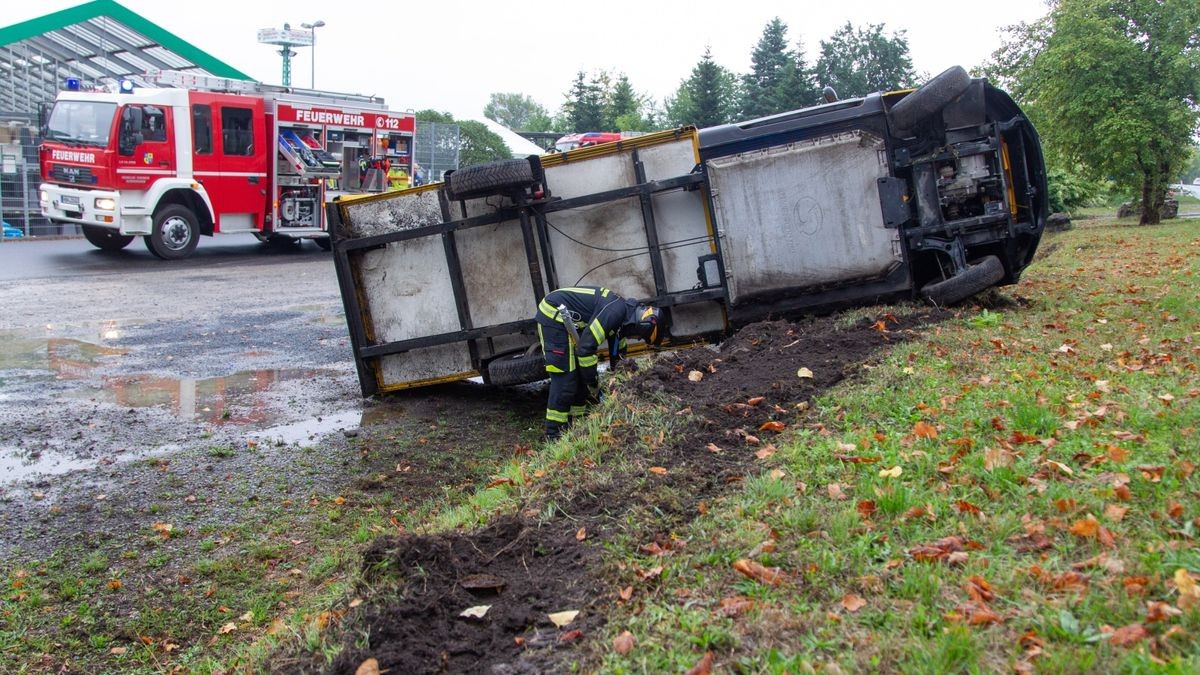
[{"x": 418, "y": 628}]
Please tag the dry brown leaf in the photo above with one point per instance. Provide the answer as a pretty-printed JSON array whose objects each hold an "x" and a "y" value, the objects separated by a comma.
[
  {"x": 713, "y": 448},
  {"x": 695, "y": 376},
  {"x": 866, "y": 508},
  {"x": 561, "y": 619},
  {"x": 1160, "y": 611},
  {"x": 228, "y": 628},
  {"x": 765, "y": 451},
  {"x": 853, "y": 602},
  {"x": 1126, "y": 636},
  {"x": 736, "y": 605},
  {"x": 626, "y": 593},
  {"x": 773, "y": 425},
  {"x": 771, "y": 576},
  {"x": 581, "y": 534},
  {"x": 755, "y": 400},
  {"x": 835, "y": 491},
  {"x": 368, "y": 667},
  {"x": 893, "y": 472},
  {"x": 924, "y": 429},
  {"x": 1189, "y": 591},
  {"x": 979, "y": 589},
  {"x": 623, "y": 643},
  {"x": 1086, "y": 528},
  {"x": 703, "y": 666},
  {"x": 1114, "y": 512},
  {"x": 978, "y": 614},
  {"x": 963, "y": 506},
  {"x": 804, "y": 374},
  {"x": 658, "y": 470}
]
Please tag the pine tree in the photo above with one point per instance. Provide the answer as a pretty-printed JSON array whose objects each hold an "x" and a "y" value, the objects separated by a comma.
[
  {"x": 769, "y": 64},
  {"x": 707, "y": 98},
  {"x": 584, "y": 109},
  {"x": 795, "y": 89}
]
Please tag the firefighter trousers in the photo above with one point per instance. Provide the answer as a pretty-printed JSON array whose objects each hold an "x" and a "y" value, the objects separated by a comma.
[{"x": 573, "y": 380}]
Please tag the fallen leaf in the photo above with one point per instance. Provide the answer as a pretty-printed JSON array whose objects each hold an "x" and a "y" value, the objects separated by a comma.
[
  {"x": 703, "y": 666},
  {"x": 561, "y": 619},
  {"x": 626, "y": 593},
  {"x": 771, "y": 576},
  {"x": 893, "y": 472},
  {"x": 736, "y": 605},
  {"x": 248, "y": 616},
  {"x": 979, "y": 589},
  {"x": 695, "y": 376},
  {"x": 1085, "y": 528},
  {"x": 765, "y": 451},
  {"x": 1153, "y": 474},
  {"x": 1114, "y": 512},
  {"x": 623, "y": 643},
  {"x": 114, "y": 585},
  {"x": 866, "y": 508},
  {"x": 978, "y": 614},
  {"x": 228, "y": 628},
  {"x": 581, "y": 534},
  {"x": 755, "y": 400},
  {"x": 853, "y": 602},
  {"x": 804, "y": 373},
  {"x": 963, "y": 506},
  {"x": 1160, "y": 611},
  {"x": 368, "y": 667},
  {"x": 1129, "y": 635},
  {"x": 1189, "y": 592},
  {"x": 476, "y": 612},
  {"x": 835, "y": 491},
  {"x": 923, "y": 429},
  {"x": 658, "y": 470},
  {"x": 773, "y": 425},
  {"x": 713, "y": 448},
  {"x": 118, "y": 650},
  {"x": 570, "y": 635}
]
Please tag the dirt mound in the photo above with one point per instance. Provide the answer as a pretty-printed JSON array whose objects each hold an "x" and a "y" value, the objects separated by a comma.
[{"x": 755, "y": 377}]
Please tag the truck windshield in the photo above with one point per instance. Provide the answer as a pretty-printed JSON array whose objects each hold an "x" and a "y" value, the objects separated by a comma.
[{"x": 83, "y": 122}]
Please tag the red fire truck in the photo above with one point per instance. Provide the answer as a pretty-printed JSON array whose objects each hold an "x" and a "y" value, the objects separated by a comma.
[{"x": 207, "y": 156}]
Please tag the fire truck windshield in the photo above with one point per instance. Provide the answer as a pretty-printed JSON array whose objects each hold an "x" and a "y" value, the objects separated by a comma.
[{"x": 84, "y": 122}]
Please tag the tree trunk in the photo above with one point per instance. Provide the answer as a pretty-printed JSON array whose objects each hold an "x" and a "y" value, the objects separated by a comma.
[{"x": 1151, "y": 207}]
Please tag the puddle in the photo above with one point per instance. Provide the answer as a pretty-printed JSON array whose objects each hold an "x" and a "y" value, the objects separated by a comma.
[
  {"x": 239, "y": 399},
  {"x": 15, "y": 465},
  {"x": 307, "y": 432},
  {"x": 62, "y": 358}
]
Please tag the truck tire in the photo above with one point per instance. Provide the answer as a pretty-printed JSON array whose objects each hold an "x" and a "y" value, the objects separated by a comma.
[
  {"x": 175, "y": 233},
  {"x": 483, "y": 180},
  {"x": 979, "y": 275},
  {"x": 517, "y": 368},
  {"x": 929, "y": 99},
  {"x": 106, "y": 239}
]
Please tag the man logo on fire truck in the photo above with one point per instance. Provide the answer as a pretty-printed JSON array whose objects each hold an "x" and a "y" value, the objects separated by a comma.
[{"x": 206, "y": 156}]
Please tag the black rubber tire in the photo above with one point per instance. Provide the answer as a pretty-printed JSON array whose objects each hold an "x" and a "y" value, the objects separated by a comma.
[
  {"x": 325, "y": 243},
  {"x": 175, "y": 233},
  {"x": 482, "y": 180},
  {"x": 929, "y": 99},
  {"x": 979, "y": 275},
  {"x": 105, "y": 239},
  {"x": 517, "y": 369}
]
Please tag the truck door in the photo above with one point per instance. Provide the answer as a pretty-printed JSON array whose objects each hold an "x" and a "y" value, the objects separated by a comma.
[
  {"x": 230, "y": 159},
  {"x": 152, "y": 155}
]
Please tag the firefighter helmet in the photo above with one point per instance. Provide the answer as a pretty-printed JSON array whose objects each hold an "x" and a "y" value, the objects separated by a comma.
[{"x": 649, "y": 324}]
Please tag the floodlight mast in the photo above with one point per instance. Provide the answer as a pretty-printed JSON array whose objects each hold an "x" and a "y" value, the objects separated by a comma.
[{"x": 286, "y": 39}]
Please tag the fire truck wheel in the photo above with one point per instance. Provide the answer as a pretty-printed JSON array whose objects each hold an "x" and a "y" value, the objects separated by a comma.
[
  {"x": 325, "y": 243},
  {"x": 930, "y": 98},
  {"x": 106, "y": 239},
  {"x": 175, "y": 233},
  {"x": 482, "y": 180},
  {"x": 516, "y": 368}
]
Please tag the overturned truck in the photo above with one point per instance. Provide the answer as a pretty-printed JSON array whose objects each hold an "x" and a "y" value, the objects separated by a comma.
[{"x": 939, "y": 192}]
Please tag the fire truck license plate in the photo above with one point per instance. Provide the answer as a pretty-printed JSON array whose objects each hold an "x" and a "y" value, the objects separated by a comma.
[{"x": 69, "y": 203}]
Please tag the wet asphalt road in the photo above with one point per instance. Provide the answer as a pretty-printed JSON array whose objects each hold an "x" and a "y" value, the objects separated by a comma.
[{"x": 107, "y": 357}]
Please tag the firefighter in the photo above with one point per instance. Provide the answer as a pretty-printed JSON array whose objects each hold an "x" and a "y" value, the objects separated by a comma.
[{"x": 572, "y": 325}]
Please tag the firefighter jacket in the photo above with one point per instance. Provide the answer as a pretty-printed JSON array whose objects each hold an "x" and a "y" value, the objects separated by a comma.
[{"x": 598, "y": 315}]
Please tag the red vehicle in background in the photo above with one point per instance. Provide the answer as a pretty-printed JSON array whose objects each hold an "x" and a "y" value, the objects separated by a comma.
[
  {"x": 572, "y": 141},
  {"x": 208, "y": 156}
]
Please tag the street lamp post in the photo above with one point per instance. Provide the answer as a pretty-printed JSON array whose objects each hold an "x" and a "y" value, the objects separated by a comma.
[{"x": 312, "y": 28}]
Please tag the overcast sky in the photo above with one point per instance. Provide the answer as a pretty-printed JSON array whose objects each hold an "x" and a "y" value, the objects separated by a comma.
[{"x": 451, "y": 55}]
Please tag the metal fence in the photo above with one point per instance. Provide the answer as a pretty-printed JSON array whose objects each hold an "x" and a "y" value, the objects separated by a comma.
[
  {"x": 435, "y": 149},
  {"x": 19, "y": 180}
]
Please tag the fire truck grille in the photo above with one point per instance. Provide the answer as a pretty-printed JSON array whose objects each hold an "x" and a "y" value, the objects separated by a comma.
[{"x": 72, "y": 174}]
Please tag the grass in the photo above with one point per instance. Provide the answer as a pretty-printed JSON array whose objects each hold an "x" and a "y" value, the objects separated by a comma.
[{"x": 1006, "y": 423}]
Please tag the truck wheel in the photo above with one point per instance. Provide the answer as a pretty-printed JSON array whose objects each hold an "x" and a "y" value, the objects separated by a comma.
[
  {"x": 175, "y": 233},
  {"x": 928, "y": 99},
  {"x": 517, "y": 369},
  {"x": 979, "y": 275},
  {"x": 482, "y": 180},
  {"x": 105, "y": 239}
]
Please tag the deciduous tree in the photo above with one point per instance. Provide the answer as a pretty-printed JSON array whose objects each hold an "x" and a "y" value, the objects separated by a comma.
[{"x": 517, "y": 111}]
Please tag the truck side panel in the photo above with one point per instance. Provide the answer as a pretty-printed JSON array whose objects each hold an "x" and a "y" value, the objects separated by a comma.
[{"x": 803, "y": 215}]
